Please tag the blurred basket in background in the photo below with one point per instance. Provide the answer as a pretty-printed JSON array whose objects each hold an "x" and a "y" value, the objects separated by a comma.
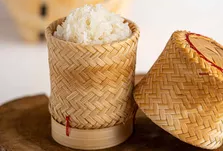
[{"x": 33, "y": 16}]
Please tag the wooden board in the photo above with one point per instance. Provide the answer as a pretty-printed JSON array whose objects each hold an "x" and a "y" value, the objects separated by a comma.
[{"x": 25, "y": 126}]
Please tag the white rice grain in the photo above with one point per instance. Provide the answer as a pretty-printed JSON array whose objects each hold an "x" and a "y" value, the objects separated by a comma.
[{"x": 93, "y": 25}]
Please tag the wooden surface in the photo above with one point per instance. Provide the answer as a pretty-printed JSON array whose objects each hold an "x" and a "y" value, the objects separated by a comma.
[{"x": 25, "y": 126}]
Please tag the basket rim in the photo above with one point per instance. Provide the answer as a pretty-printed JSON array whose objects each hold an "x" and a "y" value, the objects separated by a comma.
[
  {"x": 49, "y": 34},
  {"x": 206, "y": 64},
  {"x": 199, "y": 52}
]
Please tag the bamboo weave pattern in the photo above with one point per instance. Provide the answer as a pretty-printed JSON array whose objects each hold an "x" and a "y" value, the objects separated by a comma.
[
  {"x": 183, "y": 92},
  {"x": 92, "y": 83}
]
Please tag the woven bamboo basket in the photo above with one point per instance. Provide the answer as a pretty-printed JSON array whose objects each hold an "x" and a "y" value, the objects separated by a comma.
[
  {"x": 33, "y": 16},
  {"x": 183, "y": 91},
  {"x": 91, "y": 101}
]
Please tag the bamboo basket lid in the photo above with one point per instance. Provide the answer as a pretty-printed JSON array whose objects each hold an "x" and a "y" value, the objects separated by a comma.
[
  {"x": 182, "y": 93},
  {"x": 25, "y": 126}
]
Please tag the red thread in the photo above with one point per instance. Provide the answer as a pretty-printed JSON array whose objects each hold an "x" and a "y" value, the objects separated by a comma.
[
  {"x": 67, "y": 125},
  {"x": 203, "y": 73},
  {"x": 201, "y": 55}
]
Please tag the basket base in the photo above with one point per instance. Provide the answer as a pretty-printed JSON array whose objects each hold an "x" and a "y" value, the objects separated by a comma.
[{"x": 91, "y": 139}]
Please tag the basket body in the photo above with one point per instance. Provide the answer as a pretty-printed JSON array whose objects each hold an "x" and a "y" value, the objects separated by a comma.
[
  {"x": 92, "y": 84},
  {"x": 182, "y": 92}
]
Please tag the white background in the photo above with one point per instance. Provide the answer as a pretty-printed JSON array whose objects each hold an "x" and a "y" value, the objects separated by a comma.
[{"x": 24, "y": 67}]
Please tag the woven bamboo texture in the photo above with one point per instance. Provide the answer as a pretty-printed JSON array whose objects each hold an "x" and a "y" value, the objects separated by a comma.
[
  {"x": 183, "y": 91},
  {"x": 92, "y": 84}
]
